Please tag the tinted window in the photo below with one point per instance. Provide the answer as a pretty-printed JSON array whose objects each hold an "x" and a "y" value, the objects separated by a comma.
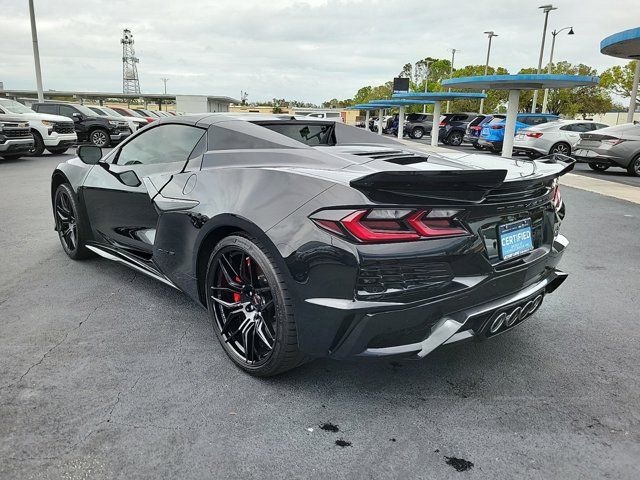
[
  {"x": 53, "y": 109},
  {"x": 307, "y": 133},
  {"x": 582, "y": 127},
  {"x": 163, "y": 144},
  {"x": 476, "y": 121},
  {"x": 67, "y": 111}
]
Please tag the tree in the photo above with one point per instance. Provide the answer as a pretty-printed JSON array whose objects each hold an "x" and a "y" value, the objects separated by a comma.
[
  {"x": 495, "y": 98},
  {"x": 619, "y": 79}
]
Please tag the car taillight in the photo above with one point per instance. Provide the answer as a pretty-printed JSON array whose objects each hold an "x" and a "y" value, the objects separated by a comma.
[
  {"x": 497, "y": 127},
  {"x": 534, "y": 134},
  {"x": 389, "y": 225},
  {"x": 557, "y": 198},
  {"x": 475, "y": 128},
  {"x": 612, "y": 141},
  {"x": 442, "y": 123}
]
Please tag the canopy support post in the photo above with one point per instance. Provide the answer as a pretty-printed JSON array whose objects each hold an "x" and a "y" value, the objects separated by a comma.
[
  {"x": 366, "y": 119},
  {"x": 380, "y": 112},
  {"x": 510, "y": 124},
  {"x": 435, "y": 129},
  {"x": 401, "y": 123},
  {"x": 634, "y": 93}
]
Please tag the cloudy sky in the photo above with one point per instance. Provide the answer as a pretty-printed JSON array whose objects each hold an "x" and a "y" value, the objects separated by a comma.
[{"x": 310, "y": 50}]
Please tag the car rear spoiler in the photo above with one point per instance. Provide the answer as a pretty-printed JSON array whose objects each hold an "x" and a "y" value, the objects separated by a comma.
[
  {"x": 460, "y": 185},
  {"x": 557, "y": 158}
]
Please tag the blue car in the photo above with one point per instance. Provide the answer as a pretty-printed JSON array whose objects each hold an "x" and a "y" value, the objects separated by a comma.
[{"x": 492, "y": 133}]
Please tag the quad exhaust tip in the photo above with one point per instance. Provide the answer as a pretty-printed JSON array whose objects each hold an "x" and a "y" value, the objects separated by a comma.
[{"x": 507, "y": 320}]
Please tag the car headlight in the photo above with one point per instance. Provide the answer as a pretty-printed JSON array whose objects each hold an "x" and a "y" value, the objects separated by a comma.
[
  {"x": 48, "y": 123},
  {"x": 114, "y": 123}
]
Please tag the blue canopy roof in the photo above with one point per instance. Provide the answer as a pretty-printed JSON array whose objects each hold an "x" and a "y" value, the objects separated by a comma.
[
  {"x": 363, "y": 106},
  {"x": 438, "y": 96},
  {"x": 521, "y": 81},
  {"x": 623, "y": 44},
  {"x": 397, "y": 102}
]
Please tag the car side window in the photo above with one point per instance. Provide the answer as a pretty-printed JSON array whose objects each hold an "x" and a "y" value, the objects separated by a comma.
[
  {"x": 583, "y": 127},
  {"x": 67, "y": 111},
  {"x": 163, "y": 144},
  {"x": 52, "y": 109}
]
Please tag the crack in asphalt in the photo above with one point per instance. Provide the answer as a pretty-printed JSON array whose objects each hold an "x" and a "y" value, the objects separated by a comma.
[{"x": 66, "y": 335}]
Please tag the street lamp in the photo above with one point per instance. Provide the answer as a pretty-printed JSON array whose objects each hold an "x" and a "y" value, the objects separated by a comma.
[
  {"x": 553, "y": 44},
  {"x": 36, "y": 51},
  {"x": 453, "y": 57},
  {"x": 546, "y": 9},
  {"x": 490, "y": 34}
]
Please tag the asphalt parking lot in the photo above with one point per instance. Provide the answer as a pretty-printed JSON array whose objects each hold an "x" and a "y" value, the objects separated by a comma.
[{"x": 105, "y": 373}]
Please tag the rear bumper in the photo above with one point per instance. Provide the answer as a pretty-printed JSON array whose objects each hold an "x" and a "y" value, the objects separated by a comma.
[
  {"x": 339, "y": 328},
  {"x": 603, "y": 159},
  {"x": 489, "y": 143}
]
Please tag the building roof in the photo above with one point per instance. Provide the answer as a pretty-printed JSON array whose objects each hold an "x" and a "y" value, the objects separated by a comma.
[
  {"x": 624, "y": 44},
  {"x": 521, "y": 81}
]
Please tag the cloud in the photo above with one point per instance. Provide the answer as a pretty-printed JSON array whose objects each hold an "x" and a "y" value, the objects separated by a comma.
[{"x": 309, "y": 50}]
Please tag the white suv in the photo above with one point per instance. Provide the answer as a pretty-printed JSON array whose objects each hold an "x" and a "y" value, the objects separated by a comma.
[{"x": 53, "y": 132}]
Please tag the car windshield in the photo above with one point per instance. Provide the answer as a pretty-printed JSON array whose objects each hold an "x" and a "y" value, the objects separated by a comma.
[
  {"x": 85, "y": 110},
  {"x": 112, "y": 112},
  {"x": 13, "y": 106},
  {"x": 312, "y": 134}
]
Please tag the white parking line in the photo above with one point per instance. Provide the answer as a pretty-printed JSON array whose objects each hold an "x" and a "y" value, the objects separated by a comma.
[{"x": 603, "y": 187}]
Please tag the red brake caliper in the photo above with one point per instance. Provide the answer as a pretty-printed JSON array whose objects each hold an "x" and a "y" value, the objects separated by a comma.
[{"x": 236, "y": 296}]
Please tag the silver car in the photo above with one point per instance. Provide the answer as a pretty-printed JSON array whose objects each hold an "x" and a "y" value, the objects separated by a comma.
[
  {"x": 560, "y": 136},
  {"x": 617, "y": 146}
]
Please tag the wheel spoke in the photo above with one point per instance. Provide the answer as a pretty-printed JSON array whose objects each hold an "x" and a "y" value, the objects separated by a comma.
[
  {"x": 225, "y": 266},
  {"x": 225, "y": 304},
  {"x": 261, "y": 334},
  {"x": 227, "y": 325}
]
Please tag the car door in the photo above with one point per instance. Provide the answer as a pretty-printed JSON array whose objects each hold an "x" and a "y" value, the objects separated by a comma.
[{"x": 119, "y": 207}]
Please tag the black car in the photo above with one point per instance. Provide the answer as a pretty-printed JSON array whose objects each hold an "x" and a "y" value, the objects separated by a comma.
[
  {"x": 90, "y": 127},
  {"x": 453, "y": 127},
  {"x": 309, "y": 238}
]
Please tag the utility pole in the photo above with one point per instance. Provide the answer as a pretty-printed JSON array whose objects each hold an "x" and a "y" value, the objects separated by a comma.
[
  {"x": 165, "y": 80},
  {"x": 490, "y": 34},
  {"x": 453, "y": 57},
  {"x": 546, "y": 9},
  {"x": 553, "y": 45},
  {"x": 36, "y": 51},
  {"x": 426, "y": 83}
]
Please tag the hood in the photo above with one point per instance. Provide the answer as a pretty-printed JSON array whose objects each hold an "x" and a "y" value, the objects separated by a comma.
[{"x": 42, "y": 116}]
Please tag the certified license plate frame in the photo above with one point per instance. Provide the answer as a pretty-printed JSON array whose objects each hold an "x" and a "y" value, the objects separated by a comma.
[{"x": 512, "y": 228}]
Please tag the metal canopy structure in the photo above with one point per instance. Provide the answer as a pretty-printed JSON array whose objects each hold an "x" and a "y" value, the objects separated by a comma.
[
  {"x": 384, "y": 103},
  {"x": 625, "y": 45},
  {"x": 516, "y": 83},
  {"x": 436, "y": 98}
]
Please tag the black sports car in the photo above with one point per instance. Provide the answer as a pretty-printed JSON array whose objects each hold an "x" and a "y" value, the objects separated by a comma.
[{"x": 308, "y": 238}]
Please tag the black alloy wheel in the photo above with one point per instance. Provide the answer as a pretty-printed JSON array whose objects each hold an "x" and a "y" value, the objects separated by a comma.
[
  {"x": 69, "y": 224},
  {"x": 598, "y": 167},
  {"x": 455, "y": 138},
  {"x": 38, "y": 145},
  {"x": 100, "y": 138},
  {"x": 250, "y": 308},
  {"x": 634, "y": 167},
  {"x": 562, "y": 148}
]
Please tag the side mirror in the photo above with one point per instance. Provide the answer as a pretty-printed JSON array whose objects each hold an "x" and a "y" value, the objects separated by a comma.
[
  {"x": 77, "y": 117},
  {"x": 89, "y": 154}
]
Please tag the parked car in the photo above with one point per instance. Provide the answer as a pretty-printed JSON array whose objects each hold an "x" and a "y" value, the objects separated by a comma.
[
  {"x": 417, "y": 125},
  {"x": 134, "y": 122},
  {"x": 472, "y": 133},
  {"x": 146, "y": 113},
  {"x": 453, "y": 127},
  {"x": 127, "y": 112},
  {"x": 90, "y": 127},
  {"x": 492, "y": 133},
  {"x": 16, "y": 139},
  {"x": 617, "y": 146},
  {"x": 51, "y": 132},
  {"x": 395, "y": 252},
  {"x": 554, "y": 137},
  {"x": 387, "y": 123}
]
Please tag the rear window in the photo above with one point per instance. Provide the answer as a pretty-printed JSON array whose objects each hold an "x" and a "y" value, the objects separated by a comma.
[
  {"x": 312, "y": 134},
  {"x": 476, "y": 121},
  {"x": 53, "y": 109},
  {"x": 496, "y": 120}
]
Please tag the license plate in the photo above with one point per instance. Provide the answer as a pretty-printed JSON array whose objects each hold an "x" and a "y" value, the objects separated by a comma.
[
  {"x": 585, "y": 153},
  {"x": 515, "y": 238},
  {"x": 520, "y": 136}
]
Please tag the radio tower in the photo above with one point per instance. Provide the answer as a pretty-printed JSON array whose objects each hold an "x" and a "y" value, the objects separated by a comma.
[{"x": 130, "y": 80}]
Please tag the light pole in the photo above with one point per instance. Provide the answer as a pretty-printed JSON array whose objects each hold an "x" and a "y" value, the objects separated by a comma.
[
  {"x": 36, "y": 51},
  {"x": 453, "y": 57},
  {"x": 426, "y": 83},
  {"x": 546, "y": 9},
  {"x": 490, "y": 34},
  {"x": 553, "y": 44},
  {"x": 165, "y": 80}
]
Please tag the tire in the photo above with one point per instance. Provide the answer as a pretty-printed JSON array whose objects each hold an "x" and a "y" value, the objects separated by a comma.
[
  {"x": 38, "y": 145},
  {"x": 598, "y": 167},
  {"x": 57, "y": 150},
  {"x": 417, "y": 133},
  {"x": 495, "y": 149},
  {"x": 70, "y": 225},
  {"x": 100, "y": 138},
  {"x": 477, "y": 147},
  {"x": 13, "y": 156},
  {"x": 634, "y": 167},
  {"x": 455, "y": 138},
  {"x": 236, "y": 292},
  {"x": 560, "y": 147}
]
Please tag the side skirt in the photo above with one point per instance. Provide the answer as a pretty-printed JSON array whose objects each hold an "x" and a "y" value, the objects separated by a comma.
[{"x": 131, "y": 263}]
